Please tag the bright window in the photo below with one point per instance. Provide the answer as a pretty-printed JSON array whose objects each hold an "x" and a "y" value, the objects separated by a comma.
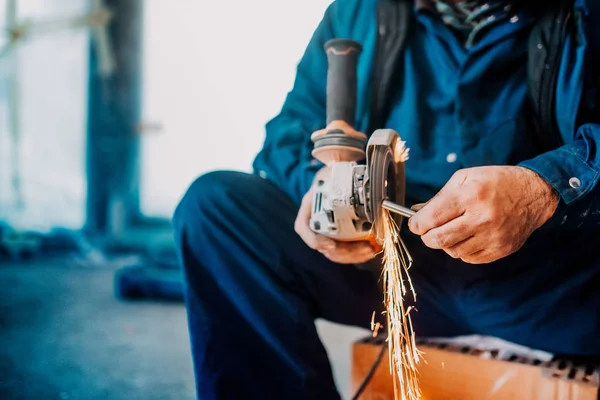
[{"x": 43, "y": 83}]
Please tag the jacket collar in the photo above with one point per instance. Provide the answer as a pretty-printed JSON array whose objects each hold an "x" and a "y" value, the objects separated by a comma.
[{"x": 425, "y": 4}]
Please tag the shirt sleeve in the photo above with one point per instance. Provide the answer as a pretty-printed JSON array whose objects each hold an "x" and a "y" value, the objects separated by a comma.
[
  {"x": 573, "y": 170},
  {"x": 285, "y": 158}
]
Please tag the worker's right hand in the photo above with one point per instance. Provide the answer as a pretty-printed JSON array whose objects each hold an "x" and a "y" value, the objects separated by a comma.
[{"x": 339, "y": 252}]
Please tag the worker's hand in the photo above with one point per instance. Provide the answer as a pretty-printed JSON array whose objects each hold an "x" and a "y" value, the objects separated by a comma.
[
  {"x": 339, "y": 252},
  {"x": 487, "y": 213}
]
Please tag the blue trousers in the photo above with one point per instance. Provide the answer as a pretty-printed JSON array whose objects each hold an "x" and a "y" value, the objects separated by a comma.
[{"x": 254, "y": 289}]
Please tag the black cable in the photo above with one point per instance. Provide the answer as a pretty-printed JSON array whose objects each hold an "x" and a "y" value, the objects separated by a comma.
[{"x": 371, "y": 372}]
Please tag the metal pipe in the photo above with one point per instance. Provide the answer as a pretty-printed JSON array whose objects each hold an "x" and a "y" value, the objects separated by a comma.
[
  {"x": 114, "y": 110},
  {"x": 398, "y": 209}
]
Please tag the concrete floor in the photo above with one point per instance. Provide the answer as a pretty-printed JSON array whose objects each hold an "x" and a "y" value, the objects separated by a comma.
[{"x": 65, "y": 336}]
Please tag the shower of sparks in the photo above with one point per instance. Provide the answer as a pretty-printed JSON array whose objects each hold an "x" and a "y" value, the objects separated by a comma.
[{"x": 403, "y": 353}]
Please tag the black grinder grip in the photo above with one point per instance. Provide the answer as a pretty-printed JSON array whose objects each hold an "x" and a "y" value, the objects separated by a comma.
[{"x": 342, "y": 57}]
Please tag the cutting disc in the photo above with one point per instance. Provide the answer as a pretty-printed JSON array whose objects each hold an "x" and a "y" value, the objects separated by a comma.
[{"x": 385, "y": 174}]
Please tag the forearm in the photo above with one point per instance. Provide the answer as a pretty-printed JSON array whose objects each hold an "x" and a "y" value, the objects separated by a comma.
[
  {"x": 573, "y": 170},
  {"x": 286, "y": 158}
]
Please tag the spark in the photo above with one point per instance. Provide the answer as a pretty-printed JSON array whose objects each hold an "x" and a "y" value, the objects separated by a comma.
[
  {"x": 373, "y": 321},
  {"x": 403, "y": 353},
  {"x": 401, "y": 152},
  {"x": 375, "y": 326}
]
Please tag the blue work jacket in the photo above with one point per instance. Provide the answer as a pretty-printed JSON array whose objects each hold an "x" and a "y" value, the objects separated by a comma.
[{"x": 459, "y": 109}]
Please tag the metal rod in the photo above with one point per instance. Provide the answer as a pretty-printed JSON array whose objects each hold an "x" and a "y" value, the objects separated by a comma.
[{"x": 398, "y": 209}]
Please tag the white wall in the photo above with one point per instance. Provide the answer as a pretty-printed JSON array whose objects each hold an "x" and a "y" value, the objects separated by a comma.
[{"x": 215, "y": 73}]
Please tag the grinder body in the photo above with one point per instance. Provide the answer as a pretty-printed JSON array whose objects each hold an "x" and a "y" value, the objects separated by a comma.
[
  {"x": 338, "y": 202},
  {"x": 347, "y": 198},
  {"x": 361, "y": 173}
]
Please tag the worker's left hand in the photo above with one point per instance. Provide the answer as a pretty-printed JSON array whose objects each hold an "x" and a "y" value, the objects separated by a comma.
[{"x": 484, "y": 214}]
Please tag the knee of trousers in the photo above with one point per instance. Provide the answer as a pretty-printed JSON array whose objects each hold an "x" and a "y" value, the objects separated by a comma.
[
  {"x": 205, "y": 220},
  {"x": 203, "y": 196},
  {"x": 228, "y": 204},
  {"x": 226, "y": 214}
]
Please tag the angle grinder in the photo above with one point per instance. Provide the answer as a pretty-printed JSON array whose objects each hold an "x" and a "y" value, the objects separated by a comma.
[{"x": 349, "y": 196}]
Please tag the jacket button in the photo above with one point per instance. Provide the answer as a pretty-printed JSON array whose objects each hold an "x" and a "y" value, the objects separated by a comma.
[
  {"x": 575, "y": 183},
  {"x": 451, "y": 157},
  {"x": 262, "y": 174}
]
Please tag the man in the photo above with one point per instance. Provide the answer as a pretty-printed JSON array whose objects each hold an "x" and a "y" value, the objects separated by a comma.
[{"x": 506, "y": 245}]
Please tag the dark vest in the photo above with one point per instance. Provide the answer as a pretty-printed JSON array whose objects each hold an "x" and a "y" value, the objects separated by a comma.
[{"x": 546, "y": 43}]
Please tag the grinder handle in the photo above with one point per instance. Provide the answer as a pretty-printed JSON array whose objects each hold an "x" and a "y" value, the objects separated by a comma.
[{"x": 342, "y": 57}]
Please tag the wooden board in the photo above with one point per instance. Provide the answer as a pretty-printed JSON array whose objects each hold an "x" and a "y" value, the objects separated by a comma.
[{"x": 452, "y": 373}]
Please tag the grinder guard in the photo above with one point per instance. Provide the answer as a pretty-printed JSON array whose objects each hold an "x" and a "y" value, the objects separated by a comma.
[
  {"x": 347, "y": 201},
  {"x": 386, "y": 176}
]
